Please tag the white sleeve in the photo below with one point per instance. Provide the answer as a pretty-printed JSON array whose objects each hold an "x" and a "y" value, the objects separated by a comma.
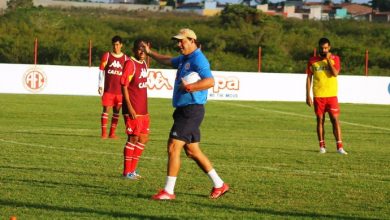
[{"x": 101, "y": 78}]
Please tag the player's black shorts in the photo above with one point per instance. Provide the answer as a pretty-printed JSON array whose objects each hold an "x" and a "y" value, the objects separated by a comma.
[{"x": 186, "y": 123}]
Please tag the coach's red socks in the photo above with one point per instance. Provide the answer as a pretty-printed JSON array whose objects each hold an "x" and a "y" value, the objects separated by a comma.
[
  {"x": 114, "y": 123},
  {"x": 139, "y": 148},
  {"x": 104, "y": 122},
  {"x": 128, "y": 152}
]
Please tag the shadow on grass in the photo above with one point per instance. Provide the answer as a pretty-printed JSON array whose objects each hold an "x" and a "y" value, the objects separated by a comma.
[
  {"x": 282, "y": 214},
  {"x": 51, "y": 184},
  {"x": 46, "y": 169},
  {"x": 203, "y": 196},
  {"x": 80, "y": 210}
]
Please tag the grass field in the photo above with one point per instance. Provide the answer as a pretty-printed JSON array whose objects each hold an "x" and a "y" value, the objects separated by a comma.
[{"x": 53, "y": 164}]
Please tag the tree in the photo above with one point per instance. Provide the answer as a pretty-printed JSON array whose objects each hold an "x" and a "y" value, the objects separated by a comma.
[
  {"x": 13, "y": 4},
  {"x": 146, "y": 2},
  {"x": 171, "y": 3},
  {"x": 381, "y": 5},
  {"x": 261, "y": 2},
  {"x": 235, "y": 14},
  {"x": 328, "y": 2}
]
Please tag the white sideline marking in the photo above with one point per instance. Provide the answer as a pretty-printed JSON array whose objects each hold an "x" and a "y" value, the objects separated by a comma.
[
  {"x": 252, "y": 167},
  {"x": 63, "y": 148},
  {"x": 307, "y": 172},
  {"x": 303, "y": 116},
  {"x": 51, "y": 147}
]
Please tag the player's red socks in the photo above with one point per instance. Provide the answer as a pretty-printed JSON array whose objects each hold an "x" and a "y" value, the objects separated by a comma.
[
  {"x": 139, "y": 148},
  {"x": 104, "y": 122},
  {"x": 114, "y": 123},
  {"x": 339, "y": 144},
  {"x": 128, "y": 152},
  {"x": 131, "y": 154}
]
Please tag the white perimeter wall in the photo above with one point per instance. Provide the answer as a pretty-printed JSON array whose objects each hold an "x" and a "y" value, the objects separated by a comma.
[{"x": 73, "y": 80}]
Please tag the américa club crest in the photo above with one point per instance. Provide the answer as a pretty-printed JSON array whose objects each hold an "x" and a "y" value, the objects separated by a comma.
[{"x": 34, "y": 79}]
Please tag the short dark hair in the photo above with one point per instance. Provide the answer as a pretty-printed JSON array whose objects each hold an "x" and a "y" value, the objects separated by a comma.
[
  {"x": 138, "y": 41},
  {"x": 116, "y": 38},
  {"x": 323, "y": 41},
  {"x": 195, "y": 41}
]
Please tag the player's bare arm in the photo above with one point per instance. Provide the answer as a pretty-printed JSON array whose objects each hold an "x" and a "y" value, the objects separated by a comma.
[
  {"x": 332, "y": 69},
  {"x": 163, "y": 59},
  {"x": 101, "y": 79},
  {"x": 126, "y": 96},
  {"x": 309, "y": 100}
]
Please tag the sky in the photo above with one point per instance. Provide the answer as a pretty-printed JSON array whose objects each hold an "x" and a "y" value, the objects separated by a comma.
[
  {"x": 335, "y": 1},
  {"x": 274, "y": 1}
]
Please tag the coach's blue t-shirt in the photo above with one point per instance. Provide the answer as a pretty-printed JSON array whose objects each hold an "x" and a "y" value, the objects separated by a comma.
[{"x": 185, "y": 64}]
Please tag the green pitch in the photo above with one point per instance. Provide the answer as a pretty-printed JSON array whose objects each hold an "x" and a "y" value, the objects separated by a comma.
[{"x": 53, "y": 164}]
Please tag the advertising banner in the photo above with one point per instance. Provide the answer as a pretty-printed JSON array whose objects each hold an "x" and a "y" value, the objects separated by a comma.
[{"x": 73, "y": 80}]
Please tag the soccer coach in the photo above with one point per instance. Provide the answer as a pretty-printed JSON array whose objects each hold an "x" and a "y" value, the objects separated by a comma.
[{"x": 188, "y": 101}]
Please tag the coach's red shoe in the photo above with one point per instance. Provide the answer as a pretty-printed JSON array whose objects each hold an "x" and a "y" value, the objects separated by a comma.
[
  {"x": 218, "y": 192},
  {"x": 163, "y": 195}
]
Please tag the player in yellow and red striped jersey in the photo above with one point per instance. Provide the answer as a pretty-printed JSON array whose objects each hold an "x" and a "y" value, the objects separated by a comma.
[
  {"x": 135, "y": 109},
  {"x": 110, "y": 72},
  {"x": 322, "y": 72}
]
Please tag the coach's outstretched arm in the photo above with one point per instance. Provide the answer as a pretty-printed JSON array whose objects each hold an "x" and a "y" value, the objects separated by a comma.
[{"x": 163, "y": 59}]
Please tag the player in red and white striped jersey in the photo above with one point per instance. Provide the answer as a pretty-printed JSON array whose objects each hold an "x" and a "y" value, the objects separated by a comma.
[
  {"x": 135, "y": 109},
  {"x": 110, "y": 72}
]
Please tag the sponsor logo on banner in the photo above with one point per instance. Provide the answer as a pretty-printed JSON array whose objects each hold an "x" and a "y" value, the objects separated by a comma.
[
  {"x": 388, "y": 89},
  {"x": 225, "y": 87},
  {"x": 34, "y": 79},
  {"x": 226, "y": 83},
  {"x": 157, "y": 80}
]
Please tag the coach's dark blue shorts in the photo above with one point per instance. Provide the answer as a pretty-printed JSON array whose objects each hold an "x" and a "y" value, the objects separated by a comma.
[{"x": 186, "y": 123}]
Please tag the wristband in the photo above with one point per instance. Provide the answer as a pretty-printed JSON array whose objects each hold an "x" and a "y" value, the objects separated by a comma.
[{"x": 188, "y": 88}]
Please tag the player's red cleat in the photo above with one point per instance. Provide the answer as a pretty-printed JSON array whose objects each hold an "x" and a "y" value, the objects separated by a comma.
[
  {"x": 113, "y": 136},
  {"x": 163, "y": 195},
  {"x": 104, "y": 136},
  {"x": 218, "y": 192}
]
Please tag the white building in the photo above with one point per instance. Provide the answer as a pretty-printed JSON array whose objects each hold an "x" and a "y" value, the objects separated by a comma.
[
  {"x": 315, "y": 12},
  {"x": 123, "y": 1},
  {"x": 3, "y": 6}
]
